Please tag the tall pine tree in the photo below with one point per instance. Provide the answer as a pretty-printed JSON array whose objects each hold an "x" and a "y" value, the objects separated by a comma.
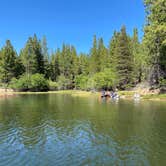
[
  {"x": 124, "y": 60},
  {"x": 155, "y": 38},
  {"x": 9, "y": 65}
]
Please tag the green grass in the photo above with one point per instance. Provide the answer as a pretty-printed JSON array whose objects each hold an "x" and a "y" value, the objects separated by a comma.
[
  {"x": 79, "y": 93},
  {"x": 155, "y": 96},
  {"x": 69, "y": 92},
  {"x": 126, "y": 93}
]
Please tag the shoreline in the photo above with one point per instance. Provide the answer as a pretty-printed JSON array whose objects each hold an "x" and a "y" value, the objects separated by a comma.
[{"x": 78, "y": 93}]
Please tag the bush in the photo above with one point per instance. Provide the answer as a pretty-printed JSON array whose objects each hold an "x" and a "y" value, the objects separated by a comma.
[
  {"x": 21, "y": 84},
  {"x": 91, "y": 84},
  {"x": 105, "y": 79},
  {"x": 162, "y": 82},
  {"x": 63, "y": 83},
  {"x": 53, "y": 85},
  {"x": 81, "y": 82},
  {"x": 38, "y": 83},
  {"x": 35, "y": 82}
]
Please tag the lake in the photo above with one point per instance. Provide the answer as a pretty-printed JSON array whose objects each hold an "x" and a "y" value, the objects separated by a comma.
[{"x": 61, "y": 130}]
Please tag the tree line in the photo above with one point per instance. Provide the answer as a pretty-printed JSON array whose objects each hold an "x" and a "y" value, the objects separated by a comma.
[{"x": 122, "y": 64}]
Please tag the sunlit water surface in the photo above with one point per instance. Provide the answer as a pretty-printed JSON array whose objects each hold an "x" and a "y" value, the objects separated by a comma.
[{"x": 60, "y": 130}]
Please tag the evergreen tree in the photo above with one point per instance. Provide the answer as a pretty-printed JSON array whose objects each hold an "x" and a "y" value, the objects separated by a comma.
[
  {"x": 27, "y": 57},
  {"x": 9, "y": 63},
  {"x": 46, "y": 57},
  {"x": 32, "y": 56},
  {"x": 140, "y": 59},
  {"x": 135, "y": 52},
  {"x": 55, "y": 71},
  {"x": 124, "y": 60},
  {"x": 94, "y": 64},
  {"x": 39, "y": 57},
  {"x": 74, "y": 64},
  {"x": 83, "y": 62},
  {"x": 113, "y": 51},
  {"x": 102, "y": 56},
  {"x": 155, "y": 38},
  {"x": 64, "y": 61}
]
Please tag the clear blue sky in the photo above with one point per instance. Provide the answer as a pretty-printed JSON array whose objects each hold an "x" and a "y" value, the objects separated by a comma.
[{"x": 69, "y": 21}]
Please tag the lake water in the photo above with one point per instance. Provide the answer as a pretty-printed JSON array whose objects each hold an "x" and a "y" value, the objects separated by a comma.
[{"x": 61, "y": 130}]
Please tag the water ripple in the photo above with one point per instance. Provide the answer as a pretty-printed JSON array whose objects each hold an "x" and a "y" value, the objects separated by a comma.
[{"x": 89, "y": 136}]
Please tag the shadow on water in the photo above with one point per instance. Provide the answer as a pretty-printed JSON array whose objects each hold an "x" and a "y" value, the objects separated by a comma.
[{"x": 59, "y": 129}]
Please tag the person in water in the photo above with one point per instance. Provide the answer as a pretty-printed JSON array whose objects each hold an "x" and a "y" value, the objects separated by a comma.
[
  {"x": 108, "y": 94},
  {"x": 103, "y": 93}
]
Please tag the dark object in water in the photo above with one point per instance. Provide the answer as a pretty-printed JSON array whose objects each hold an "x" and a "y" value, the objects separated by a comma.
[
  {"x": 106, "y": 95},
  {"x": 113, "y": 96},
  {"x": 103, "y": 94}
]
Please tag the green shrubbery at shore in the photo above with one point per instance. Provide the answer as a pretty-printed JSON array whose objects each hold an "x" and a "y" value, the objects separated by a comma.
[
  {"x": 35, "y": 82},
  {"x": 101, "y": 80}
]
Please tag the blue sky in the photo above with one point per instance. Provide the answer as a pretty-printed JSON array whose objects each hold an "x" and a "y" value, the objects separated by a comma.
[{"x": 70, "y": 21}]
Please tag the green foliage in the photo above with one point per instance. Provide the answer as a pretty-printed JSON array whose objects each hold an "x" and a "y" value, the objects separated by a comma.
[
  {"x": 155, "y": 37},
  {"x": 91, "y": 84},
  {"x": 53, "y": 85},
  {"x": 44, "y": 51},
  {"x": 38, "y": 83},
  {"x": 54, "y": 65},
  {"x": 83, "y": 64},
  {"x": 113, "y": 52},
  {"x": 35, "y": 82},
  {"x": 125, "y": 62},
  {"x": 32, "y": 56},
  {"x": 81, "y": 82},
  {"x": 162, "y": 82},
  {"x": 21, "y": 84},
  {"x": 63, "y": 83},
  {"x": 102, "y": 55},
  {"x": 105, "y": 79},
  {"x": 94, "y": 59},
  {"x": 10, "y": 65}
]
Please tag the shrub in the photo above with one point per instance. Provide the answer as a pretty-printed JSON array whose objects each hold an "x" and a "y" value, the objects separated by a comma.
[
  {"x": 38, "y": 83},
  {"x": 21, "y": 84},
  {"x": 35, "y": 82},
  {"x": 105, "y": 79},
  {"x": 81, "y": 82},
  {"x": 53, "y": 85},
  {"x": 63, "y": 83},
  {"x": 162, "y": 82}
]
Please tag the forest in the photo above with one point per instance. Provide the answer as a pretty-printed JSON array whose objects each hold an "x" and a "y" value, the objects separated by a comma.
[{"x": 122, "y": 63}]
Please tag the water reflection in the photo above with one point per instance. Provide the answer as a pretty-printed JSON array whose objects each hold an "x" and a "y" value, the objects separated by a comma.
[{"x": 65, "y": 130}]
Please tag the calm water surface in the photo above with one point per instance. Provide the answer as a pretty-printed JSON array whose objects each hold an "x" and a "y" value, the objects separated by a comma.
[{"x": 60, "y": 130}]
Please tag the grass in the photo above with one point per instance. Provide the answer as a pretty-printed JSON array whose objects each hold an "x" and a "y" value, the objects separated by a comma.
[
  {"x": 155, "y": 97},
  {"x": 126, "y": 93},
  {"x": 76, "y": 93},
  {"x": 79, "y": 93},
  {"x": 69, "y": 92}
]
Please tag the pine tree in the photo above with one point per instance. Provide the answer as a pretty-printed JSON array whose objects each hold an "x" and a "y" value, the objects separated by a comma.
[
  {"x": 74, "y": 64},
  {"x": 8, "y": 62},
  {"x": 113, "y": 53},
  {"x": 102, "y": 55},
  {"x": 139, "y": 57},
  {"x": 32, "y": 56},
  {"x": 54, "y": 69},
  {"x": 94, "y": 64},
  {"x": 155, "y": 38},
  {"x": 124, "y": 60},
  {"x": 46, "y": 57},
  {"x": 28, "y": 58},
  {"x": 83, "y": 63},
  {"x": 39, "y": 57}
]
